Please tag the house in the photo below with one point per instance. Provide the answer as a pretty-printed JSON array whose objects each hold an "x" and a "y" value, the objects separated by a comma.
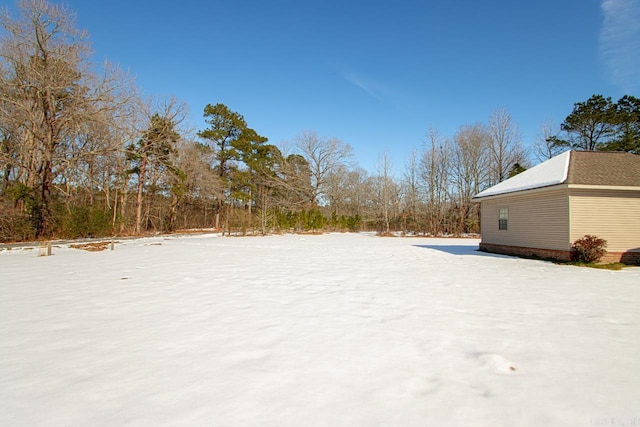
[{"x": 541, "y": 211}]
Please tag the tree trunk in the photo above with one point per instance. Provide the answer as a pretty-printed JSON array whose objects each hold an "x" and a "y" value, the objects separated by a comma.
[
  {"x": 44, "y": 221},
  {"x": 141, "y": 177},
  {"x": 173, "y": 212}
]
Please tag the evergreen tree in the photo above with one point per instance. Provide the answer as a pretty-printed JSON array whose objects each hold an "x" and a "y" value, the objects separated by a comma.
[
  {"x": 627, "y": 136},
  {"x": 516, "y": 169},
  {"x": 590, "y": 125},
  {"x": 155, "y": 150},
  {"x": 226, "y": 129},
  {"x": 601, "y": 124}
]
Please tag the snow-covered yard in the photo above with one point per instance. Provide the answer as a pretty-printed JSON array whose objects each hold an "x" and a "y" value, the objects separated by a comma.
[{"x": 331, "y": 330}]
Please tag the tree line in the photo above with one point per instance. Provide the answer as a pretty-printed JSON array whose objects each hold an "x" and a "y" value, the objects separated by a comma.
[{"x": 83, "y": 153}]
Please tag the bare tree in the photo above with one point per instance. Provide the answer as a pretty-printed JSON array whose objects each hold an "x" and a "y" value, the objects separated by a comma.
[
  {"x": 336, "y": 186},
  {"x": 358, "y": 192},
  {"x": 505, "y": 146},
  {"x": 48, "y": 97},
  {"x": 292, "y": 185},
  {"x": 386, "y": 190},
  {"x": 469, "y": 172},
  {"x": 124, "y": 130},
  {"x": 411, "y": 190},
  {"x": 92, "y": 162},
  {"x": 324, "y": 156},
  {"x": 435, "y": 165},
  {"x": 202, "y": 186},
  {"x": 545, "y": 147},
  {"x": 349, "y": 192}
]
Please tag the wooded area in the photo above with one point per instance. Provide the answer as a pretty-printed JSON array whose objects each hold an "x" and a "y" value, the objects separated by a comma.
[{"x": 84, "y": 154}]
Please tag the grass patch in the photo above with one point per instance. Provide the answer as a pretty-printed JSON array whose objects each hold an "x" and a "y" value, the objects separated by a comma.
[
  {"x": 609, "y": 266},
  {"x": 91, "y": 247}
]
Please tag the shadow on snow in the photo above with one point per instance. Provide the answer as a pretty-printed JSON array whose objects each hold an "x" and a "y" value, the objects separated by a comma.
[{"x": 462, "y": 250}]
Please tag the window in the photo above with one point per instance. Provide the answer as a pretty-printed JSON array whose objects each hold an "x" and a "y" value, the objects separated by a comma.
[{"x": 503, "y": 218}]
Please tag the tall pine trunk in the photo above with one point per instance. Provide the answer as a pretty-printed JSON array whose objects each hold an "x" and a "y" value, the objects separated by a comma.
[{"x": 141, "y": 178}]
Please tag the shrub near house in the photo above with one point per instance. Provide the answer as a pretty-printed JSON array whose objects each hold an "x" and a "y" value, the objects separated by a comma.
[{"x": 589, "y": 249}]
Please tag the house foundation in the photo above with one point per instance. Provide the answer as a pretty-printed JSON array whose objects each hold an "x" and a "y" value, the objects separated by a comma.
[
  {"x": 631, "y": 257},
  {"x": 526, "y": 252}
]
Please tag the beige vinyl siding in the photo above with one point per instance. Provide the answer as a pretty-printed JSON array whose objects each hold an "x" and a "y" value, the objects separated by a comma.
[
  {"x": 610, "y": 215},
  {"x": 538, "y": 220}
]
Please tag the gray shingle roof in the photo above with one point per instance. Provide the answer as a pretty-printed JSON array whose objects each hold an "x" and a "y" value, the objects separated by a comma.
[{"x": 603, "y": 168}]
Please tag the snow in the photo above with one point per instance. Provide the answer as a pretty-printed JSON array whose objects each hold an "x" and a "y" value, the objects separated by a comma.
[
  {"x": 552, "y": 172},
  {"x": 330, "y": 330}
]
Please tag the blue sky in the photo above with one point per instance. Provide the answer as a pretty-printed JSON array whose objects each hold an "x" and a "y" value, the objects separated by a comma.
[{"x": 375, "y": 74}]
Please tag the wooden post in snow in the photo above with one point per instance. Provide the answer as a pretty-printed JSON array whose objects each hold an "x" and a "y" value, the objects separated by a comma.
[{"x": 45, "y": 249}]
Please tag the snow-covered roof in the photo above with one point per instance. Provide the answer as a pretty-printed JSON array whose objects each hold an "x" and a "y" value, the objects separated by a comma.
[{"x": 552, "y": 172}]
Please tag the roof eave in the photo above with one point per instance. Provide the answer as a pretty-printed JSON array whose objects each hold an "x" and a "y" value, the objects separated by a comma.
[
  {"x": 559, "y": 187},
  {"x": 605, "y": 187},
  {"x": 527, "y": 191}
]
